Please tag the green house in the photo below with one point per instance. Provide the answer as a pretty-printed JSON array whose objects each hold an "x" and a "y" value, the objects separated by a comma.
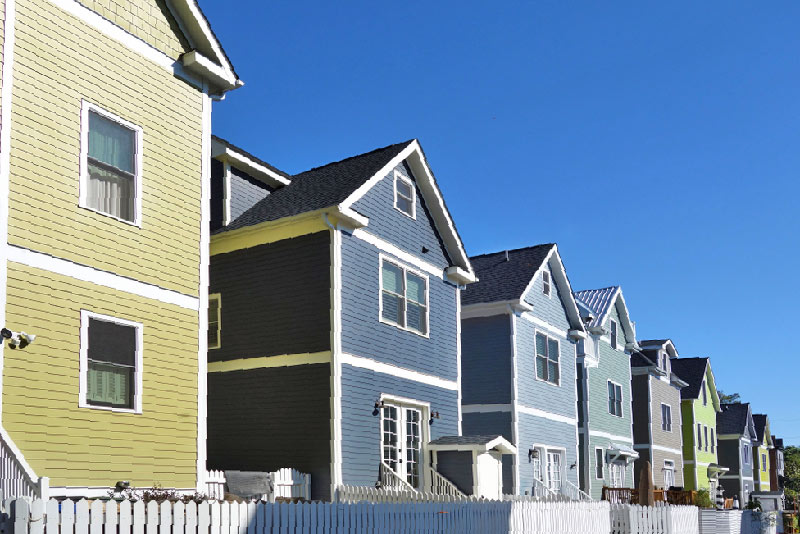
[{"x": 699, "y": 407}]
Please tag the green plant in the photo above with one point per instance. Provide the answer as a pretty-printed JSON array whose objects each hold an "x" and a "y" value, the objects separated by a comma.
[
  {"x": 157, "y": 493},
  {"x": 703, "y": 499},
  {"x": 753, "y": 504}
]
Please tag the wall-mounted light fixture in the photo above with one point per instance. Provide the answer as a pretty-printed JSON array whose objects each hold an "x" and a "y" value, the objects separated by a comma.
[
  {"x": 434, "y": 415},
  {"x": 378, "y": 405},
  {"x": 533, "y": 454}
]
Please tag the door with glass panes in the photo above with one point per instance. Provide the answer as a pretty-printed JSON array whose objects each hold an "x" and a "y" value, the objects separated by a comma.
[{"x": 402, "y": 441}]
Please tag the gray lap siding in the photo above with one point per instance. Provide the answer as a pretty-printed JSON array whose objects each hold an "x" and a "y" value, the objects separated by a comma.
[
  {"x": 361, "y": 432},
  {"x": 549, "y": 309},
  {"x": 596, "y": 488},
  {"x": 664, "y": 393},
  {"x": 363, "y": 334},
  {"x": 275, "y": 298},
  {"x": 486, "y": 360}
]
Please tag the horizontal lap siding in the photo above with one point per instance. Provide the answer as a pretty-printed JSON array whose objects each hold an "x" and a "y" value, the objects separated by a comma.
[
  {"x": 361, "y": 433},
  {"x": 486, "y": 360},
  {"x": 555, "y": 434},
  {"x": 59, "y": 61},
  {"x": 456, "y": 466},
  {"x": 640, "y": 389},
  {"x": 496, "y": 423},
  {"x": 549, "y": 309},
  {"x": 83, "y": 446},
  {"x": 658, "y": 467},
  {"x": 246, "y": 191},
  {"x": 664, "y": 392},
  {"x": 614, "y": 365},
  {"x": 596, "y": 484},
  {"x": 275, "y": 298},
  {"x": 363, "y": 334},
  {"x": 411, "y": 235},
  {"x": 267, "y": 419}
]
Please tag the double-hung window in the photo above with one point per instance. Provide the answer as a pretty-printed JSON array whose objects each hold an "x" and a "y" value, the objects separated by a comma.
[
  {"x": 613, "y": 334},
  {"x": 598, "y": 464},
  {"x": 614, "y": 399},
  {"x": 404, "y": 298},
  {"x": 111, "y": 363},
  {"x": 746, "y": 454},
  {"x": 547, "y": 361},
  {"x": 111, "y": 165},
  {"x": 546, "y": 283},
  {"x": 666, "y": 418},
  {"x": 405, "y": 196},
  {"x": 214, "y": 321},
  {"x": 763, "y": 462},
  {"x": 705, "y": 394}
]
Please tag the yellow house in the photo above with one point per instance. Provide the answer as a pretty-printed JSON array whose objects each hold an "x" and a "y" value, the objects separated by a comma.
[{"x": 105, "y": 150}]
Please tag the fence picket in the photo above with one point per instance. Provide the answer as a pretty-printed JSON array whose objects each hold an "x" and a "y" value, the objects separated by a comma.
[
  {"x": 179, "y": 518},
  {"x": 125, "y": 517}
]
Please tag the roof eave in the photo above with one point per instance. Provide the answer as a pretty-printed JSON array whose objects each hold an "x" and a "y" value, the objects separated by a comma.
[{"x": 243, "y": 162}]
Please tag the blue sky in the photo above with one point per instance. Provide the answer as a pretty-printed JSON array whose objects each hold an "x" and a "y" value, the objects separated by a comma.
[{"x": 657, "y": 143}]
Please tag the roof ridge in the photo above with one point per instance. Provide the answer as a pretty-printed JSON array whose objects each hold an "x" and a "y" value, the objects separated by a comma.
[
  {"x": 530, "y": 247},
  {"x": 596, "y": 289},
  {"x": 354, "y": 157}
]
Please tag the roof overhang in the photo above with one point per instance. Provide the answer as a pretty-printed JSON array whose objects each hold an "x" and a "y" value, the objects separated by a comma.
[
  {"x": 715, "y": 470},
  {"x": 434, "y": 200},
  {"x": 499, "y": 444},
  {"x": 500, "y": 307},
  {"x": 618, "y": 450},
  {"x": 244, "y": 162}
]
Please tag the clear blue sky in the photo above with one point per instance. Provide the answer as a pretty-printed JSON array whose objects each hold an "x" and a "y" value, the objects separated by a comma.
[{"x": 657, "y": 143}]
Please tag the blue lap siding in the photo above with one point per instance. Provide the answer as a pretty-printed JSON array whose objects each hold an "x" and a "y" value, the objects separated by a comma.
[
  {"x": 486, "y": 360},
  {"x": 541, "y": 431}
]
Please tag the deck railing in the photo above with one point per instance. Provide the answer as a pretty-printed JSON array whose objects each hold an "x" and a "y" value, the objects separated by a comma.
[
  {"x": 573, "y": 492},
  {"x": 631, "y": 496},
  {"x": 439, "y": 485},
  {"x": 16, "y": 476},
  {"x": 387, "y": 478}
]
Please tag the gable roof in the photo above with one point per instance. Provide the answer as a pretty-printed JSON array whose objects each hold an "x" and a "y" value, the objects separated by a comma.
[
  {"x": 693, "y": 372},
  {"x": 225, "y": 151},
  {"x": 642, "y": 359},
  {"x": 340, "y": 184},
  {"x": 762, "y": 426},
  {"x": 598, "y": 303},
  {"x": 735, "y": 418},
  {"x": 659, "y": 344},
  {"x": 507, "y": 276}
]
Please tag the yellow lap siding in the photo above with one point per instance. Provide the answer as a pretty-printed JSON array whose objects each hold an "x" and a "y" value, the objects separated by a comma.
[
  {"x": 59, "y": 61},
  {"x": 83, "y": 446}
]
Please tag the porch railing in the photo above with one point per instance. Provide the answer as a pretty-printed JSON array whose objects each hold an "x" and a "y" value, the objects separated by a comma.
[
  {"x": 573, "y": 492},
  {"x": 439, "y": 485},
  {"x": 540, "y": 489},
  {"x": 16, "y": 476},
  {"x": 387, "y": 478},
  {"x": 631, "y": 496}
]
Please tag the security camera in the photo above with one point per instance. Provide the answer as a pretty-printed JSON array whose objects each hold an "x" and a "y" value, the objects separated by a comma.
[
  {"x": 17, "y": 339},
  {"x": 25, "y": 339}
]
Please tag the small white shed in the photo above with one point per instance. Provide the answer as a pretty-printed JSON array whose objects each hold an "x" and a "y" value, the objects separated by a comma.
[{"x": 473, "y": 463}]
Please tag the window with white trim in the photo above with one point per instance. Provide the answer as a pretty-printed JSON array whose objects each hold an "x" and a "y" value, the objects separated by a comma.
[
  {"x": 669, "y": 474},
  {"x": 666, "y": 418},
  {"x": 214, "y": 321},
  {"x": 613, "y": 334},
  {"x": 745, "y": 454},
  {"x": 404, "y": 297},
  {"x": 705, "y": 394},
  {"x": 699, "y": 437},
  {"x": 111, "y": 361},
  {"x": 546, "y": 283},
  {"x": 713, "y": 440},
  {"x": 763, "y": 462},
  {"x": 705, "y": 434},
  {"x": 405, "y": 195},
  {"x": 402, "y": 439},
  {"x": 547, "y": 359},
  {"x": 614, "y": 399},
  {"x": 111, "y": 173},
  {"x": 598, "y": 463}
]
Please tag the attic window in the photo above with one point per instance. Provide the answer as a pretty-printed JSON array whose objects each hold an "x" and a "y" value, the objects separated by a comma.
[
  {"x": 613, "y": 334},
  {"x": 546, "y": 283},
  {"x": 405, "y": 196}
]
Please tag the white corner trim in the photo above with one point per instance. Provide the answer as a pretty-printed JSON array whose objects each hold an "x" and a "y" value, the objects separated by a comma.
[
  {"x": 458, "y": 357},
  {"x": 486, "y": 408},
  {"x": 85, "y": 273},
  {"x": 5, "y": 158},
  {"x": 402, "y": 255},
  {"x": 86, "y": 315},
  {"x": 614, "y": 437},
  {"x": 515, "y": 481},
  {"x": 399, "y": 372},
  {"x": 336, "y": 357},
  {"x": 547, "y": 415},
  {"x": 202, "y": 314}
]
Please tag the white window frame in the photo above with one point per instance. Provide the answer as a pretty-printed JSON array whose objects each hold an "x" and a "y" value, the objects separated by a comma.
[
  {"x": 746, "y": 454},
  {"x": 399, "y": 176},
  {"x": 621, "y": 399},
  {"x": 704, "y": 392},
  {"x": 699, "y": 437},
  {"x": 87, "y": 107},
  {"x": 613, "y": 334},
  {"x": 601, "y": 465},
  {"x": 218, "y": 297},
  {"x": 402, "y": 403},
  {"x": 536, "y": 355},
  {"x": 763, "y": 462},
  {"x": 543, "y": 450},
  {"x": 713, "y": 440},
  {"x": 84, "y": 362},
  {"x": 705, "y": 438},
  {"x": 547, "y": 282},
  {"x": 666, "y": 428},
  {"x": 669, "y": 465},
  {"x": 405, "y": 268}
]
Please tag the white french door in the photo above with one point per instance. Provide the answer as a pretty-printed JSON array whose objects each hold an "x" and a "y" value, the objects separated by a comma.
[
  {"x": 617, "y": 472},
  {"x": 554, "y": 466},
  {"x": 669, "y": 474},
  {"x": 402, "y": 441}
]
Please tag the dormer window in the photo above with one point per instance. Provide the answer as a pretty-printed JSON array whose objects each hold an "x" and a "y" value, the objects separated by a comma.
[
  {"x": 546, "y": 283},
  {"x": 405, "y": 196}
]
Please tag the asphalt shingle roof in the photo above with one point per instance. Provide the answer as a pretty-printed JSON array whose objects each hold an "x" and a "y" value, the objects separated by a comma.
[
  {"x": 318, "y": 188},
  {"x": 692, "y": 371},
  {"x": 733, "y": 418},
  {"x": 500, "y": 279},
  {"x": 251, "y": 156},
  {"x": 598, "y": 301},
  {"x": 652, "y": 342},
  {"x": 760, "y": 420},
  {"x": 465, "y": 440},
  {"x": 641, "y": 359}
]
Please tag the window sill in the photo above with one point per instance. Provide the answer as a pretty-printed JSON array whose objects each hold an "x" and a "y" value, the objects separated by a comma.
[
  {"x": 555, "y": 384},
  {"x": 405, "y": 329},
  {"x": 110, "y": 408},
  {"x": 137, "y": 224}
]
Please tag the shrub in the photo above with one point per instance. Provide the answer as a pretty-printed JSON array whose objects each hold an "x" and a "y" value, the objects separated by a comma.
[{"x": 703, "y": 499}]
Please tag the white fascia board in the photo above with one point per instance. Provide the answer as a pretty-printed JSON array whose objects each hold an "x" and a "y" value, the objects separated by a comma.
[
  {"x": 460, "y": 276},
  {"x": 627, "y": 324},
  {"x": 412, "y": 154},
  {"x": 553, "y": 259},
  {"x": 200, "y": 65},
  {"x": 488, "y": 309},
  {"x": 239, "y": 160}
]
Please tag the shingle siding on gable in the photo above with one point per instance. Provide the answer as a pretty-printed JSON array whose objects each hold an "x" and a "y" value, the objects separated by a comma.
[
  {"x": 363, "y": 334},
  {"x": 549, "y": 309},
  {"x": 411, "y": 235},
  {"x": 361, "y": 435},
  {"x": 486, "y": 360}
]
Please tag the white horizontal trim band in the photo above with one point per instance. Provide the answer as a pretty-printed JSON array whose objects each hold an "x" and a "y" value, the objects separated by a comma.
[
  {"x": 399, "y": 372},
  {"x": 546, "y": 415},
  {"x": 641, "y": 446},
  {"x": 85, "y": 273},
  {"x": 599, "y": 434},
  {"x": 485, "y": 408},
  {"x": 389, "y": 248},
  {"x": 542, "y": 324}
]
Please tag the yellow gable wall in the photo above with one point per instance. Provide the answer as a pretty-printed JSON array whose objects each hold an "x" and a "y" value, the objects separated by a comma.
[
  {"x": 89, "y": 447},
  {"x": 60, "y": 60},
  {"x": 150, "y": 20}
]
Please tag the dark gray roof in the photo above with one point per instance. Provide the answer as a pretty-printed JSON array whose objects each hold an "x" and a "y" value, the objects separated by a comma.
[
  {"x": 778, "y": 442},
  {"x": 692, "y": 371},
  {"x": 500, "y": 279},
  {"x": 760, "y": 420},
  {"x": 251, "y": 156},
  {"x": 318, "y": 188},
  {"x": 650, "y": 342},
  {"x": 465, "y": 440},
  {"x": 733, "y": 419},
  {"x": 642, "y": 359}
]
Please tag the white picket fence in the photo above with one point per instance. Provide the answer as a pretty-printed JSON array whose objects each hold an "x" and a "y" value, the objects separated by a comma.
[
  {"x": 287, "y": 482},
  {"x": 448, "y": 514},
  {"x": 659, "y": 519}
]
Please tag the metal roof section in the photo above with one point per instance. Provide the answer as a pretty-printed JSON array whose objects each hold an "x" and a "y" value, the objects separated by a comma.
[{"x": 598, "y": 303}]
